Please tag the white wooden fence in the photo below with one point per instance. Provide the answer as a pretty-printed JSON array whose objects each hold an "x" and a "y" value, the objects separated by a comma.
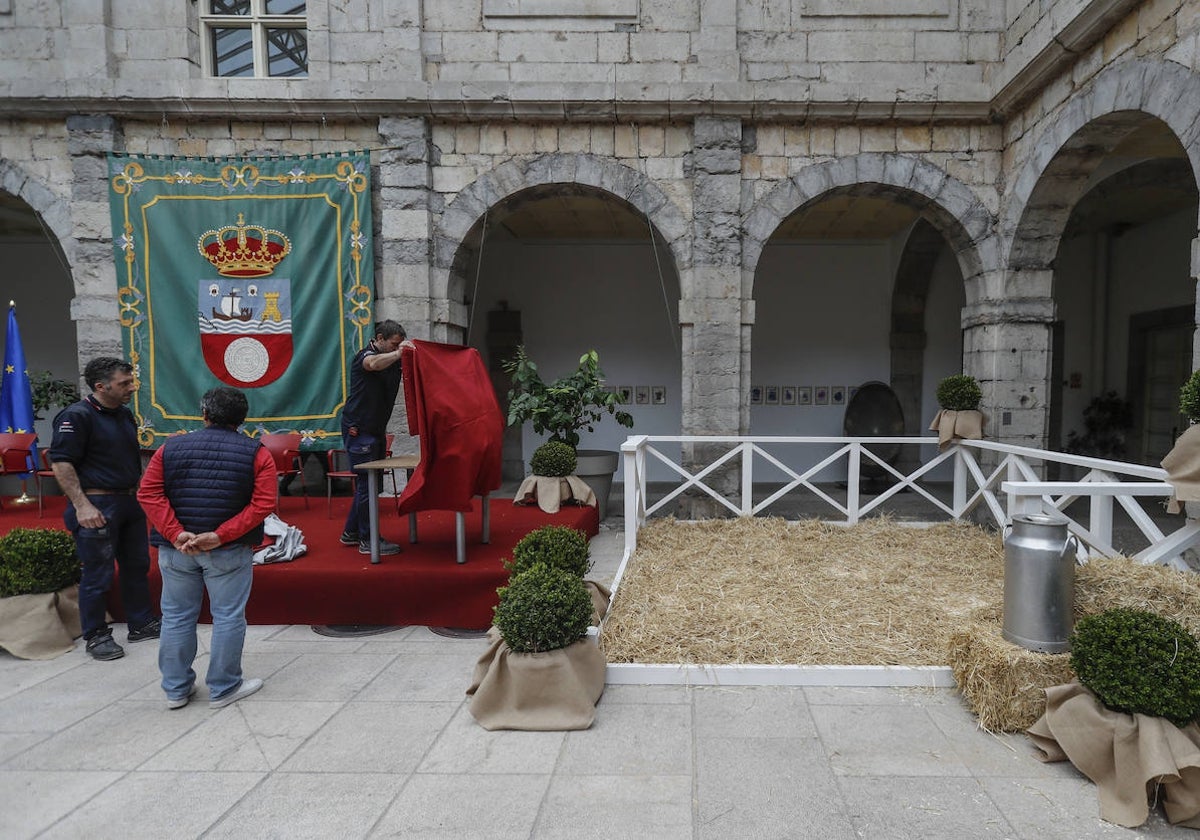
[{"x": 1008, "y": 484}]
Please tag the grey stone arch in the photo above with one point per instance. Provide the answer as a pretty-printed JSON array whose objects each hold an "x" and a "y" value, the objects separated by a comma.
[
  {"x": 458, "y": 231},
  {"x": 950, "y": 213},
  {"x": 53, "y": 211},
  {"x": 1055, "y": 175},
  {"x": 913, "y": 274}
]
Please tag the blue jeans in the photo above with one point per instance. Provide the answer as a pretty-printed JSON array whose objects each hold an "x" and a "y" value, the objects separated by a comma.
[
  {"x": 122, "y": 541},
  {"x": 227, "y": 573},
  {"x": 361, "y": 448}
]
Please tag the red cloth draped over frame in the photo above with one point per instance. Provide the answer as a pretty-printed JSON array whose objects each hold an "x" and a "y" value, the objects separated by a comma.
[{"x": 453, "y": 409}]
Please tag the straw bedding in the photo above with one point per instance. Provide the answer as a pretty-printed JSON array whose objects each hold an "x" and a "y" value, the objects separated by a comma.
[{"x": 773, "y": 591}]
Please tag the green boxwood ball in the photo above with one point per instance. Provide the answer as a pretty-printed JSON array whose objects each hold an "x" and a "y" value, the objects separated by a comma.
[
  {"x": 37, "y": 560},
  {"x": 554, "y": 459},
  {"x": 557, "y": 546},
  {"x": 543, "y": 609},
  {"x": 1189, "y": 397},
  {"x": 1137, "y": 662},
  {"x": 959, "y": 393}
]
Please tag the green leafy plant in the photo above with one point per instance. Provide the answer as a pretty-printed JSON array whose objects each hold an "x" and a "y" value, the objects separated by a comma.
[
  {"x": 49, "y": 392},
  {"x": 1189, "y": 397},
  {"x": 543, "y": 609},
  {"x": 1138, "y": 662},
  {"x": 557, "y": 546},
  {"x": 1106, "y": 421},
  {"x": 562, "y": 408},
  {"x": 553, "y": 458},
  {"x": 35, "y": 560},
  {"x": 959, "y": 392}
]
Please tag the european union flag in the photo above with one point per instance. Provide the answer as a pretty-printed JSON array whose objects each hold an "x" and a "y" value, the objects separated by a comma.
[{"x": 16, "y": 394}]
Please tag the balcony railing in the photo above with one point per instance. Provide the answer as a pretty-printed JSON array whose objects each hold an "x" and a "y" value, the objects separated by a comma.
[{"x": 996, "y": 479}]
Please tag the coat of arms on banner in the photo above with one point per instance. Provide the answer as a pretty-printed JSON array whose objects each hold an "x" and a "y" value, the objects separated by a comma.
[{"x": 245, "y": 317}]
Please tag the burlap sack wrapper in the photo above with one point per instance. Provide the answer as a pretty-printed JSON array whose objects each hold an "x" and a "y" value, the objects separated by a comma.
[
  {"x": 965, "y": 425},
  {"x": 551, "y": 492},
  {"x": 541, "y": 692},
  {"x": 40, "y": 626},
  {"x": 1182, "y": 464},
  {"x": 1125, "y": 755}
]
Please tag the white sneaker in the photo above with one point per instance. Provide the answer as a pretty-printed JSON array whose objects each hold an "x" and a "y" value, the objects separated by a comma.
[
  {"x": 247, "y": 688},
  {"x": 180, "y": 702}
]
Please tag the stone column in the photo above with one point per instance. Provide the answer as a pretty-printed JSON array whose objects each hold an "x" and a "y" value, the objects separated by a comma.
[
  {"x": 94, "y": 309},
  {"x": 404, "y": 286},
  {"x": 711, "y": 312},
  {"x": 1007, "y": 348}
]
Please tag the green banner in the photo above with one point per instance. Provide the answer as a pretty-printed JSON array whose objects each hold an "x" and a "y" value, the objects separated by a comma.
[{"x": 255, "y": 273}]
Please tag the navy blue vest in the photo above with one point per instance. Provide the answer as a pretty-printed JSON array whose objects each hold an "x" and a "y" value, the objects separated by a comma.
[{"x": 208, "y": 477}]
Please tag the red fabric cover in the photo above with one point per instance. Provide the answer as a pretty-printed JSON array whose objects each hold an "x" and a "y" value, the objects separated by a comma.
[{"x": 452, "y": 407}]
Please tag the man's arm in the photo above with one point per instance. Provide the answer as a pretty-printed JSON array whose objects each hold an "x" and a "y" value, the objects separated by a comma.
[
  {"x": 152, "y": 496},
  {"x": 87, "y": 513},
  {"x": 262, "y": 505},
  {"x": 375, "y": 362}
]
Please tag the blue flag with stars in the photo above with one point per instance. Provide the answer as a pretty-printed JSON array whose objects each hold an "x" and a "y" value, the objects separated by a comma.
[{"x": 16, "y": 394}]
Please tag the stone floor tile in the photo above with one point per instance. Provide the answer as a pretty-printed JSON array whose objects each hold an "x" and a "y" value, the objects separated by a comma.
[
  {"x": 32, "y": 800},
  {"x": 322, "y": 676},
  {"x": 422, "y": 677},
  {"x": 373, "y": 737},
  {"x": 767, "y": 788},
  {"x": 1067, "y": 809},
  {"x": 56, "y": 703},
  {"x": 885, "y": 741},
  {"x": 819, "y": 695},
  {"x": 644, "y": 694},
  {"x": 632, "y": 739},
  {"x": 310, "y": 806},
  {"x": 993, "y": 754},
  {"x": 17, "y": 675},
  {"x": 920, "y": 808},
  {"x": 752, "y": 712},
  {"x": 466, "y": 747},
  {"x": 151, "y": 806},
  {"x": 253, "y": 737},
  {"x": 464, "y": 807},
  {"x": 257, "y": 664},
  {"x": 13, "y": 743},
  {"x": 653, "y": 807},
  {"x": 118, "y": 737}
]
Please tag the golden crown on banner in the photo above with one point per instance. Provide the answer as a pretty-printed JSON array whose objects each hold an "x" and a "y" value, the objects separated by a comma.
[{"x": 244, "y": 250}]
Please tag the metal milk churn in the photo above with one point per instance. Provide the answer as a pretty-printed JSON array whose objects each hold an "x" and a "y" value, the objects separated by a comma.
[{"x": 1039, "y": 583}]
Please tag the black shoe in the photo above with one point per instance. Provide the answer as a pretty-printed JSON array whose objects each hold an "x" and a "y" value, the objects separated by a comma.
[
  {"x": 349, "y": 538},
  {"x": 146, "y": 631},
  {"x": 103, "y": 648},
  {"x": 385, "y": 547}
]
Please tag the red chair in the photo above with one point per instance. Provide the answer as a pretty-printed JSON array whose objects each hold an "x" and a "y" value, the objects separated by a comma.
[
  {"x": 16, "y": 454},
  {"x": 285, "y": 449},
  {"x": 45, "y": 472},
  {"x": 337, "y": 466}
]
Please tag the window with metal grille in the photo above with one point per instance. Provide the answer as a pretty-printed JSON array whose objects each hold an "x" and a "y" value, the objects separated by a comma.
[{"x": 254, "y": 38}]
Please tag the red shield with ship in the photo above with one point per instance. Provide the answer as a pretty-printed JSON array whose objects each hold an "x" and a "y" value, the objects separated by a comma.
[{"x": 245, "y": 316}]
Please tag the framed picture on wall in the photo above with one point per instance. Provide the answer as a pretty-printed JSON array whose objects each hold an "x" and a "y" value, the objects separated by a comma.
[
  {"x": 850, "y": 392},
  {"x": 625, "y": 393},
  {"x": 837, "y": 394},
  {"x": 756, "y": 394},
  {"x": 803, "y": 395},
  {"x": 820, "y": 395},
  {"x": 787, "y": 395},
  {"x": 641, "y": 394},
  {"x": 771, "y": 395},
  {"x": 658, "y": 395}
]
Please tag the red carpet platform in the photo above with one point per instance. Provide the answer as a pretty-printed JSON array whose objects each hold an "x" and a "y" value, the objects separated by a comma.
[{"x": 334, "y": 584}]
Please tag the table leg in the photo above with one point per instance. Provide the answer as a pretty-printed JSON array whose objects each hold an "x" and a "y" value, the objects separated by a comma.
[
  {"x": 460, "y": 535},
  {"x": 412, "y": 527},
  {"x": 373, "y": 510},
  {"x": 487, "y": 521}
]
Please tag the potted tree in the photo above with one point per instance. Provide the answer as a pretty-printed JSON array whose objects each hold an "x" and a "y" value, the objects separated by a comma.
[
  {"x": 1129, "y": 722},
  {"x": 959, "y": 418},
  {"x": 564, "y": 408},
  {"x": 553, "y": 480},
  {"x": 39, "y": 592},
  {"x": 541, "y": 672}
]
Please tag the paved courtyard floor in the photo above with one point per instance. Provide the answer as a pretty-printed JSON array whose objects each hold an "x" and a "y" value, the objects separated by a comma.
[{"x": 371, "y": 737}]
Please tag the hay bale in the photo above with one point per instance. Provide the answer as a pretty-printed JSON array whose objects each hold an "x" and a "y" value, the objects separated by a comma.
[{"x": 1003, "y": 684}]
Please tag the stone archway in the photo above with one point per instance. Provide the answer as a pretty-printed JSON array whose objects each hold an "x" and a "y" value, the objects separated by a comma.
[
  {"x": 913, "y": 275},
  {"x": 454, "y": 228},
  {"x": 949, "y": 211}
]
